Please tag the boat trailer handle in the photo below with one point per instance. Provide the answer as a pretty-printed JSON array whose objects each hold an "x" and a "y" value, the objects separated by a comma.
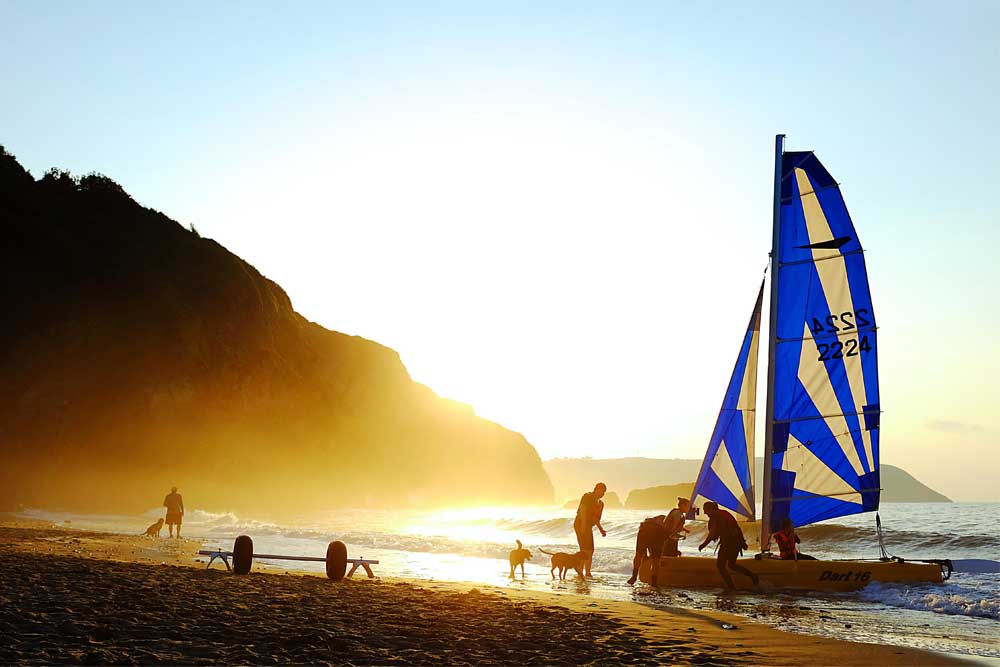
[{"x": 945, "y": 564}]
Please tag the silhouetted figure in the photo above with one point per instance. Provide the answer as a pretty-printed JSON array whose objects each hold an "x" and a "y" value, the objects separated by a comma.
[
  {"x": 658, "y": 537},
  {"x": 588, "y": 515},
  {"x": 649, "y": 544},
  {"x": 675, "y": 526},
  {"x": 175, "y": 511},
  {"x": 787, "y": 540},
  {"x": 722, "y": 526}
]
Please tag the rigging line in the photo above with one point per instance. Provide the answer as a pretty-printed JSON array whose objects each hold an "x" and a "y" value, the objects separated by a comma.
[
  {"x": 805, "y": 156},
  {"x": 836, "y": 186},
  {"x": 881, "y": 543},
  {"x": 821, "y": 441},
  {"x": 859, "y": 251},
  {"x": 837, "y": 414},
  {"x": 813, "y": 496},
  {"x": 842, "y": 332}
]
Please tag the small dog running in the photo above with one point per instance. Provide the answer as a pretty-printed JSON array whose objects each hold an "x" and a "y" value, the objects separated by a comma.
[
  {"x": 564, "y": 561},
  {"x": 154, "y": 530},
  {"x": 517, "y": 557}
]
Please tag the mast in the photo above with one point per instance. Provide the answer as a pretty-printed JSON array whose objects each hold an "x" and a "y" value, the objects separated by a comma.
[{"x": 772, "y": 344}]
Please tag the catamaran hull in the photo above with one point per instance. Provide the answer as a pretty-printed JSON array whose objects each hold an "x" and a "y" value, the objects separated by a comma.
[{"x": 823, "y": 575}]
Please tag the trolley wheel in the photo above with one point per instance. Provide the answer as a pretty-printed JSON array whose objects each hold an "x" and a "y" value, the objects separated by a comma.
[
  {"x": 336, "y": 560},
  {"x": 242, "y": 554}
]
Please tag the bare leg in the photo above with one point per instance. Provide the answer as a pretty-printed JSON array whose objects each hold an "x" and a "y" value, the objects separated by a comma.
[
  {"x": 727, "y": 559},
  {"x": 742, "y": 570},
  {"x": 720, "y": 563},
  {"x": 640, "y": 553}
]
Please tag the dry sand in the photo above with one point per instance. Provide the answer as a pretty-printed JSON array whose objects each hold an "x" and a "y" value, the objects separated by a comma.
[{"x": 92, "y": 598}]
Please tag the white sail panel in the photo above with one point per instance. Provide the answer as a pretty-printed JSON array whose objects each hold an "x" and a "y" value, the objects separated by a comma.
[
  {"x": 816, "y": 380},
  {"x": 814, "y": 477},
  {"x": 836, "y": 287}
]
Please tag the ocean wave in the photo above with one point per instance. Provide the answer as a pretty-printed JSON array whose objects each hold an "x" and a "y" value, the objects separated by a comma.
[
  {"x": 951, "y": 599},
  {"x": 838, "y": 536},
  {"x": 558, "y": 526},
  {"x": 976, "y": 566}
]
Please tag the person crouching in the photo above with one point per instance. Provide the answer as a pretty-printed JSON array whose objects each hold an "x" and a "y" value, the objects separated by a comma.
[{"x": 649, "y": 544}]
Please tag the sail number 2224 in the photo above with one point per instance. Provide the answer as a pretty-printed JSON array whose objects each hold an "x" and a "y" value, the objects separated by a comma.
[{"x": 846, "y": 321}]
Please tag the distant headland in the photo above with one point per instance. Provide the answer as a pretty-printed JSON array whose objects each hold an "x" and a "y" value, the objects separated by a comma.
[{"x": 648, "y": 483}]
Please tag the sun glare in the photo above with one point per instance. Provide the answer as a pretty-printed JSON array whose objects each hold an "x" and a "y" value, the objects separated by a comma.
[{"x": 523, "y": 260}]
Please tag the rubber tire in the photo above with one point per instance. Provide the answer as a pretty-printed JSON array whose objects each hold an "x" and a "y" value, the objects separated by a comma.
[
  {"x": 336, "y": 560},
  {"x": 242, "y": 554}
]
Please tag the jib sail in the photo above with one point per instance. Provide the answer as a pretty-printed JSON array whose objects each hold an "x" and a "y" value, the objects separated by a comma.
[{"x": 727, "y": 471}]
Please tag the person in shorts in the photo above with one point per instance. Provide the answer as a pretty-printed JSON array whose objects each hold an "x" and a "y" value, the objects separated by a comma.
[
  {"x": 588, "y": 515},
  {"x": 175, "y": 511}
]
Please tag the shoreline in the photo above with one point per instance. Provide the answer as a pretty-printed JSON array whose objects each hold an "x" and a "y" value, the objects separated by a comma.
[{"x": 150, "y": 602}]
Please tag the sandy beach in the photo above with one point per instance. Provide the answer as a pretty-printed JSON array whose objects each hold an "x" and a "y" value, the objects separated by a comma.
[{"x": 71, "y": 596}]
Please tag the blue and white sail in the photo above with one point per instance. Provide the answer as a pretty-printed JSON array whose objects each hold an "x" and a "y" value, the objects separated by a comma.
[
  {"x": 825, "y": 440},
  {"x": 727, "y": 471}
]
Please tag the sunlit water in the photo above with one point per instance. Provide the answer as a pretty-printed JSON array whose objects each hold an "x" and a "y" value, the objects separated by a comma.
[{"x": 959, "y": 616}]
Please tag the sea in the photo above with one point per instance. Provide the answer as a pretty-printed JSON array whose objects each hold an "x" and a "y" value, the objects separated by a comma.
[{"x": 959, "y": 616}]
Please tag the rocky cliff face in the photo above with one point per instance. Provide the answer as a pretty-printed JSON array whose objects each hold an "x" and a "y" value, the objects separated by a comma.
[{"x": 137, "y": 355}]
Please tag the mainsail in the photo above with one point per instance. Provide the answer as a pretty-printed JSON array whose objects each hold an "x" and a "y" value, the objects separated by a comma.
[
  {"x": 727, "y": 471},
  {"x": 824, "y": 453}
]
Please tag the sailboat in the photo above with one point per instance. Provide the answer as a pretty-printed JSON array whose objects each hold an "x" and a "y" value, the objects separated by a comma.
[{"x": 821, "y": 449}]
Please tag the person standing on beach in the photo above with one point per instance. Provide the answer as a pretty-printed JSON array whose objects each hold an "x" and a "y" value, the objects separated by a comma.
[
  {"x": 175, "y": 511},
  {"x": 722, "y": 526},
  {"x": 588, "y": 515}
]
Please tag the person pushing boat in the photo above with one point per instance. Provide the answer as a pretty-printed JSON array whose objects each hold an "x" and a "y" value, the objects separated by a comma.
[
  {"x": 649, "y": 543},
  {"x": 675, "y": 526},
  {"x": 722, "y": 526}
]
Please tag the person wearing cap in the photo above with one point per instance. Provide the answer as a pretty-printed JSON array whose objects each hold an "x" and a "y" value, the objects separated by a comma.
[
  {"x": 175, "y": 511},
  {"x": 722, "y": 526},
  {"x": 588, "y": 515},
  {"x": 675, "y": 526},
  {"x": 649, "y": 544}
]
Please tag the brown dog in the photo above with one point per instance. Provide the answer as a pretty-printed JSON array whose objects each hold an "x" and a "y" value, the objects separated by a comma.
[
  {"x": 154, "y": 530},
  {"x": 517, "y": 557},
  {"x": 563, "y": 561}
]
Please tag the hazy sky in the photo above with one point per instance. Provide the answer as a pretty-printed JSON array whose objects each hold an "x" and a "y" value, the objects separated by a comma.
[{"x": 559, "y": 213}]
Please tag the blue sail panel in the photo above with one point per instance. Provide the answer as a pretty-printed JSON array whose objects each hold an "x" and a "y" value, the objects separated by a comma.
[
  {"x": 726, "y": 475},
  {"x": 826, "y": 399}
]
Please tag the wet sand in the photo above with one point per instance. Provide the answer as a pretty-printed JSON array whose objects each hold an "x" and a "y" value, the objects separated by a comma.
[{"x": 92, "y": 598}]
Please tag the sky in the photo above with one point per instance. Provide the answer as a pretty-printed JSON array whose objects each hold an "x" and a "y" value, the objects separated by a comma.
[{"x": 559, "y": 213}]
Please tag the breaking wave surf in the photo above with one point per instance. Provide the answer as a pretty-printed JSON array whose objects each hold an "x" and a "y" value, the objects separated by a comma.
[{"x": 970, "y": 598}]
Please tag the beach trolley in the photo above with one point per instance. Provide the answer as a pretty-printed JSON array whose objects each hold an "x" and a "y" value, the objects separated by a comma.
[{"x": 336, "y": 559}]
